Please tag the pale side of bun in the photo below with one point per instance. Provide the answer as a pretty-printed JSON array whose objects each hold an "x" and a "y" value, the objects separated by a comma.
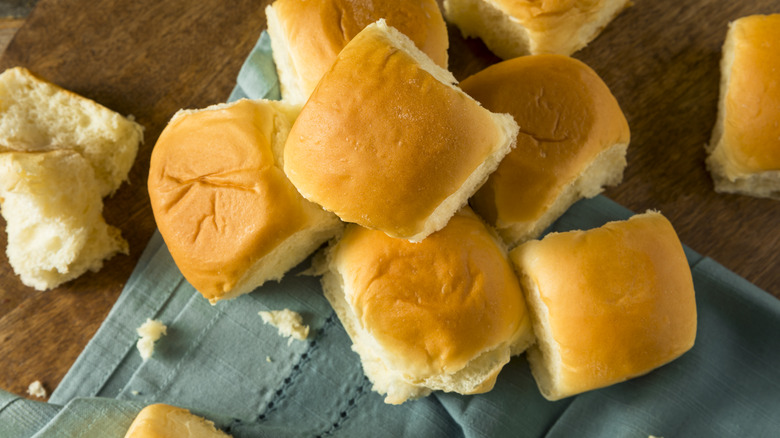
[
  {"x": 744, "y": 152},
  {"x": 607, "y": 304},
  {"x": 388, "y": 142},
  {"x": 166, "y": 421},
  {"x": 52, "y": 205},
  {"x": 222, "y": 203},
  {"x": 443, "y": 314},
  {"x": 37, "y": 116},
  {"x": 512, "y": 28},
  {"x": 572, "y": 141},
  {"x": 306, "y": 36}
]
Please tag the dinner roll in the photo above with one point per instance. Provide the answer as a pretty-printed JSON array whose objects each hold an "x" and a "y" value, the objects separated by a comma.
[
  {"x": 166, "y": 421},
  {"x": 512, "y": 28},
  {"x": 53, "y": 208},
  {"x": 388, "y": 142},
  {"x": 572, "y": 141},
  {"x": 607, "y": 304},
  {"x": 306, "y": 35},
  {"x": 744, "y": 153},
  {"x": 37, "y": 116},
  {"x": 444, "y": 314},
  {"x": 225, "y": 209}
]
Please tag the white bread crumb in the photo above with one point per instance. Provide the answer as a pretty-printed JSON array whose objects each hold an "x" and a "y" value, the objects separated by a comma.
[
  {"x": 36, "y": 389},
  {"x": 150, "y": 332},
  {"x": 289, "y": 323}
]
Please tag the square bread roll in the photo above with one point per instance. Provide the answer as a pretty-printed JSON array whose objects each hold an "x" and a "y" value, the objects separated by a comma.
[
  {"x": 53, "y": 209},
  {"x": 228, "y": 214},
  {"x": 573, "y": 141},
  {"x": 744, "y": 152},
  {"x": 165, "y": 421},
  {"x": 607, "y": 304},
  {"x": 389, "y": 142},
  {"x": 37, "y": 116},
  {"x": 512, "y": 28},
  {"x": 443, "y": 314},
  {"x": 306, "y": 36},
  {"x": 60, "y": 154}
]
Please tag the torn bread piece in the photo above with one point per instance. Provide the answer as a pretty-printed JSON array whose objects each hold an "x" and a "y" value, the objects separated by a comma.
[
  {"x": 37, "y": 116},
  {"x": 53, "y": 209}
]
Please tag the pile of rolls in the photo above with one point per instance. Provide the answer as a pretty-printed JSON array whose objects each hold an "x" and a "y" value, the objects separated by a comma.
[{"x": 430, "y": 195}]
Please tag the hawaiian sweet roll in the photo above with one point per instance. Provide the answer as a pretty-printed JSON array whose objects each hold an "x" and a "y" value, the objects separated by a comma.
[
  {"x": 512, "y": 28},
  {"x": 389, "y": 142},
  {"x": 166, "y": 421},
  {"x": 222, "y": 203},
  {"x": 744, "y": 153},
  {"x": 572, "y": 141},
  {"x": 607, "y": 304},
  {"x": 443, "y": 314},
  {"x": 306, "y": 36}
]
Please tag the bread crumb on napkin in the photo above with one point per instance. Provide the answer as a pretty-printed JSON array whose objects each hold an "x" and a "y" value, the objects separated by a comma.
[
  {"x": 288, "y": 322},
  {"x": 150, "y": 331}
]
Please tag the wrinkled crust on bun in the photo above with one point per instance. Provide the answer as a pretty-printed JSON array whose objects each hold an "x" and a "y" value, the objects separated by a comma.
[
  {"x": 607, "y": 304},
  {"x": 443, "y": 314},
  {"x": 572, "y": 142},
  {"x": 222, "y": 203},
  {"x": 388, "y": 142},
  {"x": 306, "y": 36}
]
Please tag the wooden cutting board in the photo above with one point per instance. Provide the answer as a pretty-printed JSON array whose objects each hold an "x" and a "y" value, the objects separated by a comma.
[{"x": 150, "y": 58}]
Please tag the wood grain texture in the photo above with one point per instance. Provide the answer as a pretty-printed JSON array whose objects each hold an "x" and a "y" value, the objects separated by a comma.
[
  {"x": 149, "y": 58},
  {"x": 145, "y": 58}
]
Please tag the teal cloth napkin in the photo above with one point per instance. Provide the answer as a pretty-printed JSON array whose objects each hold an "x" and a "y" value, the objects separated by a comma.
[{"x": 222, "y": 362}]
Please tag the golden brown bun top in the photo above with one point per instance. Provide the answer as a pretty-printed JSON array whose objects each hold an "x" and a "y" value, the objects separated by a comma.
[
  {"x": 433, "y": 305},
  {"x": 566, "y": 114},
  {"x": 545, "y": 14},
  {"x": 318, "y": 30},
  {"x": 620, "y": 298},
  {"x": 382, "y": 142},
  {"x": 166, "y": 421},
  {"x": 751, "y": 127},
  {"x": 219, "y": 198}
]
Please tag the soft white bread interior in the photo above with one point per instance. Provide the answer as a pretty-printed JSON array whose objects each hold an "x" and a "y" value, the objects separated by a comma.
[
  {"x": 36, "y": 115},
  {"x": 744, "y": 152},
  {"x": 443, "y": 314},
  {"x": 512, "y": 28},
  {"x": 607, "y": 304},
  {"x": 222, "y": 203},
  {"x": 52, "y": 205},
  {"x": 306, "y": 36},
  {"x": 166, "y": 421},
  {"x": 389, "y": 142},
  {"x": 572, "y": 142}
]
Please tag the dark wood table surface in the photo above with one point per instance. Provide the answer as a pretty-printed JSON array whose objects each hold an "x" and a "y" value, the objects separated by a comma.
[{"x": 150, "y": 58}]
